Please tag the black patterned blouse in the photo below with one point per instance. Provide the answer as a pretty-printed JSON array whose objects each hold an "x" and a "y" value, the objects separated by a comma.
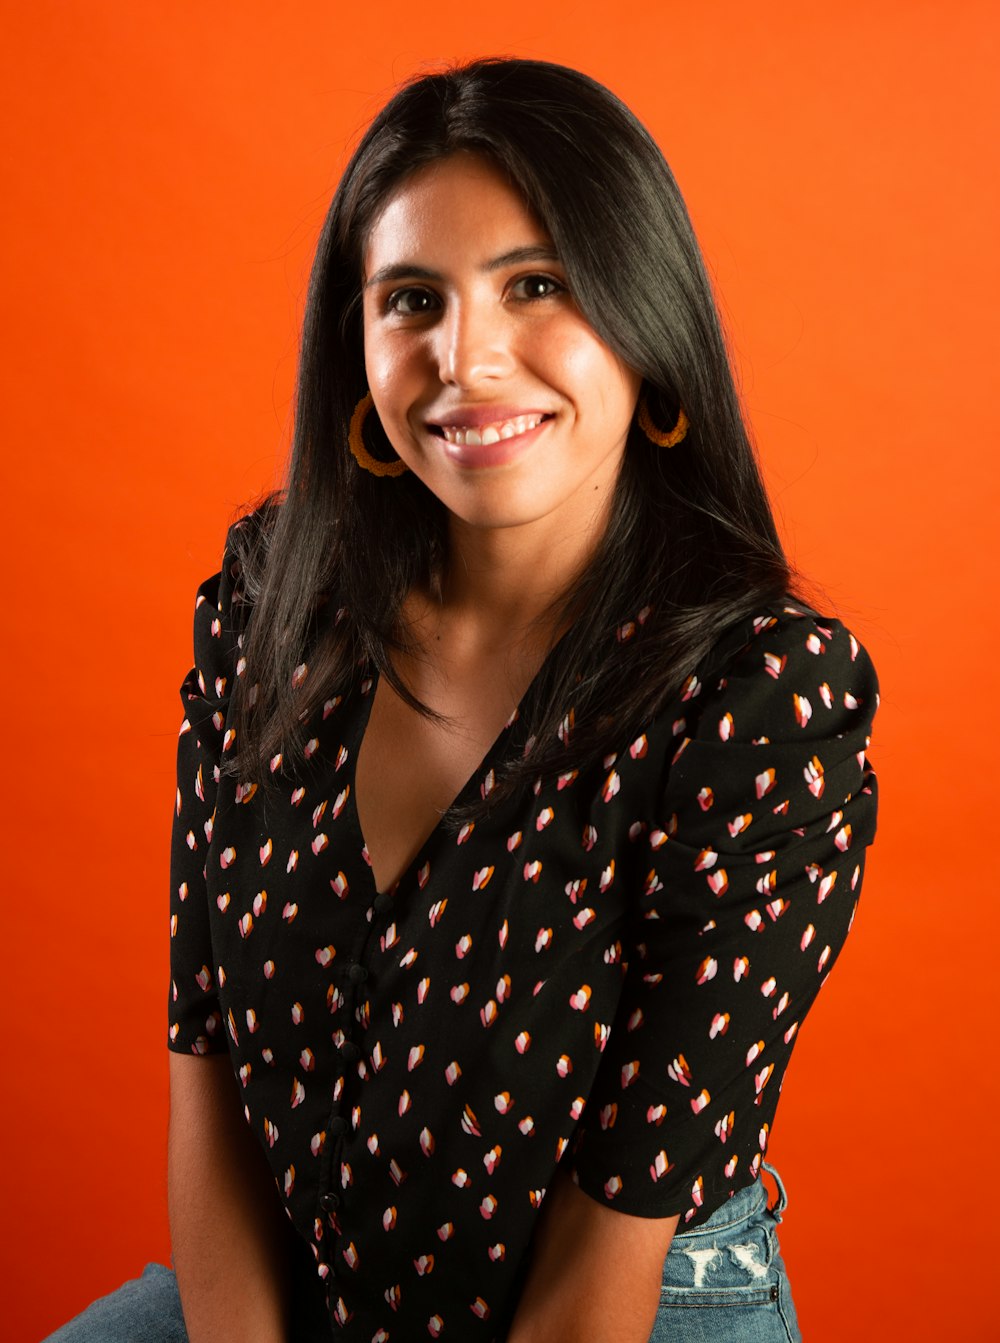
[{"x": 609, "y": 973}]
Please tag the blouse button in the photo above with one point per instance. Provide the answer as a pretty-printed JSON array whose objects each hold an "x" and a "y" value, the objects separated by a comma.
[
  {"x": 357, "y": 974},
  {"x": 339, "y": 1126},
  {"x": 383, "y": 901},
  {"x": 350, "y": 1051},
  {"x": 330, "y": 1202}
]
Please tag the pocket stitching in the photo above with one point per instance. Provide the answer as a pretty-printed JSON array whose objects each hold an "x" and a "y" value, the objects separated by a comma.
[{"x": 697, "y": 1298}]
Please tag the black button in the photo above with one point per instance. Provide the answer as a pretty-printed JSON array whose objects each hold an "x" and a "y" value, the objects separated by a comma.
[
  {"x": 382, "y": 902},
  {"x": 330, "y": 1202},
  {"x": 350, "y": 1051},
  {"x": 357, "y": 974},
  {"x": 339, "y": 1126}
]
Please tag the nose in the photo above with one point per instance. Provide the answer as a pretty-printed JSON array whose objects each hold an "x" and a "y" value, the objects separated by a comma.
[{"x": 474, "y": 344}]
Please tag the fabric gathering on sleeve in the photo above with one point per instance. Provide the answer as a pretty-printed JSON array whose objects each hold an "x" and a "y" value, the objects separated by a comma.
[
  {"x": 195, "y": 1021},
  {"x": 754, "y": 868}
]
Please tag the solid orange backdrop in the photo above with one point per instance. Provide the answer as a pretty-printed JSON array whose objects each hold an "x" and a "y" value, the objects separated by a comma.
[{"x": 165, "y": 170}]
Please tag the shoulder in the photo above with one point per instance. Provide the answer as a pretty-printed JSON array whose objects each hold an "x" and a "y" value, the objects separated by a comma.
[
  {"x": 226, "y": 597},
  {"x": 774, "y": 733},
  {"x": 248, "y": 547},
  {"x": 223, "y": 604},
  {"x": 784, "y": 673}
]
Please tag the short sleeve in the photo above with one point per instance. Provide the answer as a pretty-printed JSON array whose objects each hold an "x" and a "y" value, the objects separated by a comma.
[
  {"x": 751, "y": 880},
  {"x": 194, "y": 1017}
]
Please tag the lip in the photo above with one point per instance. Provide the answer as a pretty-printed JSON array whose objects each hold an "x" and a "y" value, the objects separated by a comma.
[{"x": 502, "y": 453}]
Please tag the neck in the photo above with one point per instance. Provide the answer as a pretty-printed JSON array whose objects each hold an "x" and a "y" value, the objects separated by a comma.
[{"x": 502, "y": 586}]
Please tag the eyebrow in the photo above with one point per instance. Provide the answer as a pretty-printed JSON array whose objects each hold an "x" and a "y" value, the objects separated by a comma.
[{"x": 515, "y": 257}]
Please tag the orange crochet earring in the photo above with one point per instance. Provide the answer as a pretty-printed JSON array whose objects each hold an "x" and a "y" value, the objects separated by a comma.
[
  {"x": 657, "y": 436},
  {"x": 356, "y": 442}
]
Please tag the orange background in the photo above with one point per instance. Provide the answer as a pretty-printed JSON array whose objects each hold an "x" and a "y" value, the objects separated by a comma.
[{"x": 166, "y": 169}]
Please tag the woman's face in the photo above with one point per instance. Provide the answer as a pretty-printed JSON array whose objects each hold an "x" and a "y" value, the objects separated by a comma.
[{"x": 489, "y": 383}]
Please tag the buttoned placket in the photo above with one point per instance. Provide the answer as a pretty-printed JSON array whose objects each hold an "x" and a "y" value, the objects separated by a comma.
[{"x": 333, "y": 1191}]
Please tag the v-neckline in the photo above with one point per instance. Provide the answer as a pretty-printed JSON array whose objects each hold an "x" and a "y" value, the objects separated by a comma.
[{"x": 480, "y": 773}]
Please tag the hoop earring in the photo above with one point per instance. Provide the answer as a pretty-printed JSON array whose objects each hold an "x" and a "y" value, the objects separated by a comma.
[
  {"x": 356, "y": 442},
  {"x": 657, "y": 436}
]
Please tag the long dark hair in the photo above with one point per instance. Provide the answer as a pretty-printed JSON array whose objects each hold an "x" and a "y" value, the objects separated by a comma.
[{"x": 691, "y": 546}]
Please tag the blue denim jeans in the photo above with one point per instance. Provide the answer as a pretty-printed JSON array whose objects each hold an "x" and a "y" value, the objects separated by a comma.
[
  {"x": 725, "y": 1282},
  {"x": 145, "y": 1310}
]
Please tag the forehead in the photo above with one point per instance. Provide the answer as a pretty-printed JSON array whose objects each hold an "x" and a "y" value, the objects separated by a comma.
[{"x": 461, "y": 207}]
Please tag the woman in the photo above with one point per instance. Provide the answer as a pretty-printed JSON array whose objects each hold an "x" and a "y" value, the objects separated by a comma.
[{"x": 521, "y": 808}]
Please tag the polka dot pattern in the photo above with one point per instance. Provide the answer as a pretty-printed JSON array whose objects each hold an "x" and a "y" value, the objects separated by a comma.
[{"x": 607, "y": 974}]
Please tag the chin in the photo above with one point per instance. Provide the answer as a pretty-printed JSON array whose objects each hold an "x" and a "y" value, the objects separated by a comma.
[
  {"x": 496, "y": 517},
  {"x": 496, "y": 503}
]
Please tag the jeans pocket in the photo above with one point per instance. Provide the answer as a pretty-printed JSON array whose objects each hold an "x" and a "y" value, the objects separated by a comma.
[
  {"x": 745, "y": 1314},
  {"x": 726, "y": 1284}
]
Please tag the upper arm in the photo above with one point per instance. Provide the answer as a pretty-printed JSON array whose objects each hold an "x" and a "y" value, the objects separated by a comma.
[
  {"x": 752, "y": 873},
  {"x": 595, "y": 1273},
  {"x": 195, "y": 1019}
]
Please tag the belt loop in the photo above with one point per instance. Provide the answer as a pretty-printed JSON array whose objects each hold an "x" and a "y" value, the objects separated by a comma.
[{"x": 782, "y": 1202}]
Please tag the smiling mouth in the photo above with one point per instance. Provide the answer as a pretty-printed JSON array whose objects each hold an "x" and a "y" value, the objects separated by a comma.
[{"x": 487, "y": 434}]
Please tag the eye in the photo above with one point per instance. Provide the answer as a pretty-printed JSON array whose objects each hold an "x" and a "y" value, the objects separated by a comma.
[
  {"x": 536, "y": 286},
  {"x": 412, "y": 302}
]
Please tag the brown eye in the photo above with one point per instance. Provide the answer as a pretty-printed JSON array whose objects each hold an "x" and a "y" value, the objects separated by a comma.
[
  {"x": 412, "y": 302},
  {"x": 536, "y": 287}
]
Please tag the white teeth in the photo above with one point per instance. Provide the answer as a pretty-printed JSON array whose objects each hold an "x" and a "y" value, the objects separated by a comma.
[{"x": 491, "y": 433}]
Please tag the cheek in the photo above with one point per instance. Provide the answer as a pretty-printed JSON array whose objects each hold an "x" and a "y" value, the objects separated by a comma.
[
  {"x": 616, "y": 391},
  {"x": 601, "y": 384},
  {"x": 627, "y": 385},
  {"x": 387, "y": 375}
]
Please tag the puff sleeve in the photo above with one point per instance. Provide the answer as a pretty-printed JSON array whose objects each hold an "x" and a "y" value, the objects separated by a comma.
[
  {"x": 754, "y": 869},
  {"x": 194, "y": 1017}
]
